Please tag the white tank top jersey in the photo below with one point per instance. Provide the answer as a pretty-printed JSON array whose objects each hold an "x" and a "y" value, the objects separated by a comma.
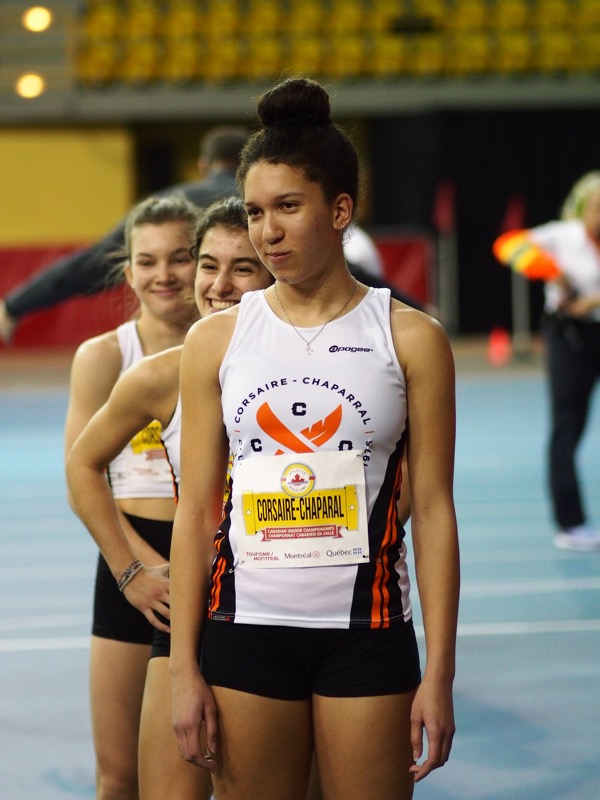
[
  {"x": 142, "y": 469},
  {"x": 171, "y": 440},
  {"x": 348, "y": 394}
]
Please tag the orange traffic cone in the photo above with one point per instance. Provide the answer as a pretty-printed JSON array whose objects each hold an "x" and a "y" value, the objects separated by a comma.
[{"x": 499, "y": 350}]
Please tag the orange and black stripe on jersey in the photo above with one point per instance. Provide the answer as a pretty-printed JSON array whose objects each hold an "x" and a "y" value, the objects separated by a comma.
[{"x": 378, "y": 588}]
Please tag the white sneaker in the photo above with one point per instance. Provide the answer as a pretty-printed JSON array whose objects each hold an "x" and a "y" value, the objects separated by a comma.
[{"x": 581, "y": 537}]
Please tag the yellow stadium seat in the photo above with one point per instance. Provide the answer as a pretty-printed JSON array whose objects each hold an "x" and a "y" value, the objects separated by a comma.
[
  {"x": 304, "y": 17},
  {"x": 220, "y": 18},
  {"x": 586, "y": 14},
  {"x": 553, "y": 14},
  {"x": 509, "y": 14},
  {"x": 346, "y": 57},
  {"x": 427, "y": 55},
  {"x": 181, "y": 19},
  {"x": 264, "y": 58},
  {"x": 383, "y": 15},
  {"x": 140, "y": 61},
  {"x": 555, "y": 51},
  {"x": 180, "y": 60},
  {"x": 305, "y": 55},
  {"x": 388, "y": 57},
  {"x": 512, "y": 52},
  {"x": 96, "y": 62},
  {"x": 468, "y": 53},
  {"x": 142, "y": 19},
  {"x": 344, "y": 17},
  {"x": 219, "y": 59},
  {"x": 436, "y": 11},
  {"x": 588, "y": 50},
  {"x": 101, "y": 20},
  {"x": 467, "y": 14},
  {"x": 262, "y": 18}
]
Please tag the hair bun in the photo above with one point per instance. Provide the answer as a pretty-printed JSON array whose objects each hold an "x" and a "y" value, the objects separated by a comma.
[{"x": 296, "y": 101}]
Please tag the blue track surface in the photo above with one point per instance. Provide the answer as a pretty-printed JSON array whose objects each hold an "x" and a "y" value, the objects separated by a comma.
[{"x": 528, "y": 683}]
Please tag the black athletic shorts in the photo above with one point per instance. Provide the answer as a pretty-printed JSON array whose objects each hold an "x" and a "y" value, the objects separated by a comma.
[
  {"x": 161, "y": 642},
  {"x": 114, "y": 616},
  {"x": 293, "y": 663}
]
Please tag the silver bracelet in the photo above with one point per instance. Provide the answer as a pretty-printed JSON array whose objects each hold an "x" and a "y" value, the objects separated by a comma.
[{"x": 128, "y": 573}]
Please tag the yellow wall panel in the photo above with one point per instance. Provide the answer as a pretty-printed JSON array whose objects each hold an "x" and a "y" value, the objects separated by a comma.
[{"x": 63, "y": 185}]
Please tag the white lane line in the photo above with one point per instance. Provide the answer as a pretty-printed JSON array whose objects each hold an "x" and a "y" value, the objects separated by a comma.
[
  {"x": 517, "y": 588},
  {"x": 31, "y": 645},
  {"x": 524, "y": 628},
  {"x": 45, "y": 621},
  {"x": 47, "y": 572}
]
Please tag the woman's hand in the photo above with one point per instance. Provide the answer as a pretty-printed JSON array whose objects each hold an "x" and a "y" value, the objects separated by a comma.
[
  {"x": 195, "y": 720},
  {"x": 432, "y": 710},
  {"x": 580, "y": 306},
  {"x": 148, "y": 591}
]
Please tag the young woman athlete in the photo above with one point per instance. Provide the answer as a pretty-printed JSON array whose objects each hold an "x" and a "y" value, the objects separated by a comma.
[
  {"x": 160, "y": 268},
  {"x": 295, "y": 602},
  {"x": 227, "y": 268}
]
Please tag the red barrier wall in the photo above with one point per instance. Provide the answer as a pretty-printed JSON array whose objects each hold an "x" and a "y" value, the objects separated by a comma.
[
  {"x": 407, "y": 262},
  {"x": 69, "y": 323}
]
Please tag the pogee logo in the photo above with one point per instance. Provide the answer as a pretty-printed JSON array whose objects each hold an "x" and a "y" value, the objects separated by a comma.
[
  {"x": 297, "y": 480},
  {"x": 336, "y": 348}
]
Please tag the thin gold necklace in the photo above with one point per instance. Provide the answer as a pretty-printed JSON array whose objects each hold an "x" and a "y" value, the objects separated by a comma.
[{"x": 308, "y": 342}]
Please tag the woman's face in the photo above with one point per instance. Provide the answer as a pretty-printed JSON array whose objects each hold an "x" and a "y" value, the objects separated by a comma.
[
  {"x": 591, "y": 215},
  {"x": 295, "y": 231},
  {"x": 227, "y": 268},
  {"x": 161, "y": 269}
]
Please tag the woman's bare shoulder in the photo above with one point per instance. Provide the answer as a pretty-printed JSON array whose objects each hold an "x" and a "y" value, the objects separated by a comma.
[
  {"x": 417, "y": 333},
  {"x": 101, "y": 353}
]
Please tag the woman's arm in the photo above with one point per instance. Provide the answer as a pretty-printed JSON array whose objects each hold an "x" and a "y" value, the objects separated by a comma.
[
  {"x": 427, "y": 359},
  {"x": 137, "y": 398},
  {"x": 94, "y": 372},
  {"x": 204, "y": 454}
]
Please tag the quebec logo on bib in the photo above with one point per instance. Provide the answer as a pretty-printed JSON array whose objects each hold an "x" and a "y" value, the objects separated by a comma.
[{"x": 312, "y": 513}]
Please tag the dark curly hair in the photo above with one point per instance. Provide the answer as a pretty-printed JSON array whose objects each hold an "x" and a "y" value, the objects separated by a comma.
[{"x": 297, "y": 130}]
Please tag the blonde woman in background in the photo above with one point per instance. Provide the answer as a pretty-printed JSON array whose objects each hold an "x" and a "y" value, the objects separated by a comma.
[
  {"x": 131, "y": 593},
  {"x": 572, "y": 336}
]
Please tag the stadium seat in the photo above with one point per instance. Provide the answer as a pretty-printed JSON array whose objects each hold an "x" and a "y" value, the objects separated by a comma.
[
  {"x": 344, "y": 17},
  {"x": 509, "y": 14},
  {"x": 141, "y": 19},
  {"x": 382, "y": 16},
  {"x": 262, "y": 18},
  {"x": 467, "y": 15},
  {"x": 586, "y": 14},
  {"x": 552, "y": 14},
  {"x": 264, "y": 58},
  {"x": 96, "y": 61},
  {"x": 512, "y": 52},
  {"x": 140, "y": 61},
  {"x": 181, "y": 19},
  {"x": 179, "y": 63},
  {"x": 304, "y": 18},
  {"x": 219, "y": 59},
  {"x": 220, "y": 18},
  {"x": 588, "y": 50},
  {"x": 389, "y": 57},
  {"x": 346, "y": 57},
  {"x": 100, "y": 20},
  {"x": 468, "y": 53},
  {"x": 555, "y": 52},
  {"x": 427, "y": 55},
  {"x": 305, "y": 55}
]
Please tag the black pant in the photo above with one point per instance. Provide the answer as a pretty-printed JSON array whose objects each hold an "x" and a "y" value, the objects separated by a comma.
[{"x": 573, "y": 362}]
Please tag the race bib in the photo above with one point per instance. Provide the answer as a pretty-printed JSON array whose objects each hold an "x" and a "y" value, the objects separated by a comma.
[{"x": 301, "y": 511}]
